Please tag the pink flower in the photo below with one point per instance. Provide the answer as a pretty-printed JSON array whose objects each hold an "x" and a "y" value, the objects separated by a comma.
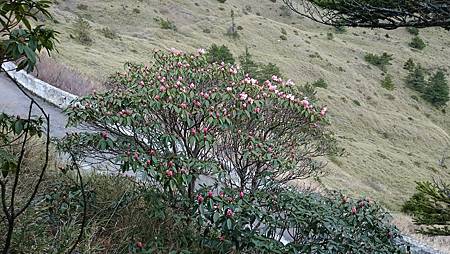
[
  {"x": 139, "y": 245},
  {"x": 201, "y": 51},
  {"x": 197, "y": 103},
  {"x": 176, "y": 52},
  {"x": 136, "y": 156},
  {"x": 290, "y": 97},
  {"x": 221, "y": 238},
  {"x": 270, "y": 150},
  {"x": 210, "y": 194},
  {"x": 243, "y": 96},
  {"x": 233, "y": 71},
  {"x": 157, "y": 97},
  {"x": 221, "y": 194},
  {"x": 229, "y": 89},
  {"x": 290, "y": 82},
  {"x": 323, "y": 111},
  {"x": 192, "y": 86},
  {"x": 183, "y": 105},
  {"x": 149, "y": 162},
  {"x": 169, "y": 173},
  {"x": 170, "y": 164},
  {"x": 152, "y": 152},
  {"x": 354, "y": 210},
  {"x": 200, "y": 198},
  {"x": 257, "y": 110},
  {"x": 272, "y": 87},
  {"x": 162, "y": 89},
  {"x": 229, "y": 213},
  {"x": 305, "y": 103},
  {"x": 241, "y": 194},
  {"x": 193, "y": 131},
  {"x": 205, "y": 130},
  {"x": 104, "y": 134},
  {"x": 250, "y": 100}
]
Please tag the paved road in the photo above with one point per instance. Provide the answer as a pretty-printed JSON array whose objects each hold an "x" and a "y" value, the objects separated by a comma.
[{"x": 14, "y": 102}]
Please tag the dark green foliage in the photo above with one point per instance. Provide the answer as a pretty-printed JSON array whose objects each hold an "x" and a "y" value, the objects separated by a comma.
[
  {"x": 320, "y": 83},
  {"x": 340, "y": 29},
  {"x": 437, "y": 91},
  {"x": 108, "y": 33},
  {"x": 22, "y": 43},
  {"x": 82, "y": 30},
  {"x": 416, "y": 79},
  {"x": 283, "y": 37},
  {"x": 259, "y": 71},
  {"x": 387, "y": 82},
  {"x": 221, "y": 1},
  {"x": 330, "y": 36},
  {"x": 417, "y": 43},
  {"x": 166, "y": 24},
  {"x": 430, "y": 207},
  {"x": 413, "y": 30},
  {"x": 218, "y": 54},
  {"x": 381, "y": 61},
  {"x": 409, "y": 65},
  {"x": 357, "y": 103}
]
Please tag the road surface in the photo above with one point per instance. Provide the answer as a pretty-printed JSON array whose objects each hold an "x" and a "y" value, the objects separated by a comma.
[{"x": 14, "y": 102}]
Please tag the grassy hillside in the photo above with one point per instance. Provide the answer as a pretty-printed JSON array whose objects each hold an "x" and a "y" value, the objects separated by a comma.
[{"x": 392, "y": 140}]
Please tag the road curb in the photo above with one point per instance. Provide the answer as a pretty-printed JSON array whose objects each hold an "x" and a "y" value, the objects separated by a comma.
[{"x": 47, "y": 92}]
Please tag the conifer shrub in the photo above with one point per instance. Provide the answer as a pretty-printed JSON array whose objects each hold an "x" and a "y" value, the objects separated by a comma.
[
  {"x": 166, "y": 24},
  {"x": 388, "y": 83},
  {"x": 429, "y": 208},
  {"x": 218, "y": 54},
  {"x": 416, "y": 79},
  {"x": 320, "y": 83},
  {"x": 413, "y": 30},
  {"x": 381, "y": 61},
  {"x": 409, "y": 65},
  {"x": 259, "y": 71},
  {"x": 437, "y": 90},
  {"x": 417, "y": 43}
]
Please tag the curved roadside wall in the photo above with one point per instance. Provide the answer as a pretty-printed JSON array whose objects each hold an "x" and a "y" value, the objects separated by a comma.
[
  {"x": 62, "y": 99},
  {"x": 47, "y": 92}
]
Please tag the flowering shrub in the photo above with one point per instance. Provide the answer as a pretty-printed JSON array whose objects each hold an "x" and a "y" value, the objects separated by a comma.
[
  {"x": 304, "y": 222},
  {"x": 183, "y": 118}
]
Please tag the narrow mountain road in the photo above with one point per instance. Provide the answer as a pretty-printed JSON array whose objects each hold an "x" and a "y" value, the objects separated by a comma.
[{"x": 14, "y": 102}]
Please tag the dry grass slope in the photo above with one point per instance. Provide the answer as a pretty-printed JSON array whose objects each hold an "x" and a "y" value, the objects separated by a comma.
[{"x": 391, "y": 139}]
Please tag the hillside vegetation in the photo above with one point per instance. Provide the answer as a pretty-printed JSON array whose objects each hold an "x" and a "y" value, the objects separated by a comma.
[{"x": 391, "y": 139}]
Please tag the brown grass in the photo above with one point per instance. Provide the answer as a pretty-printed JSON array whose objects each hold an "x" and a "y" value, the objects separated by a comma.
[{"x": 65, "y": 77}]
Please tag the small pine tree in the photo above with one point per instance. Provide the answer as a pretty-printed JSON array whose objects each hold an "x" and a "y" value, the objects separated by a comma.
[
  {"x": 416, "y": 79},
  {"x": 429, "y": 207},
  {"x": 218, "y": 54},
  {"x": 387, "y": 82},
  {"x": 437, "y": 91},
  {"x": 409, "y": 65},
  {"x": 267, "y": 71},
  {"x": 417, "y": 43},
  {"x": 247, "y": 63},
  {"x": 259, "y": 71}
]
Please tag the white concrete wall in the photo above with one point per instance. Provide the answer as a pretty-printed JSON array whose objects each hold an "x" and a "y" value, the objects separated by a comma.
[{"x": 49, "y": 93}]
